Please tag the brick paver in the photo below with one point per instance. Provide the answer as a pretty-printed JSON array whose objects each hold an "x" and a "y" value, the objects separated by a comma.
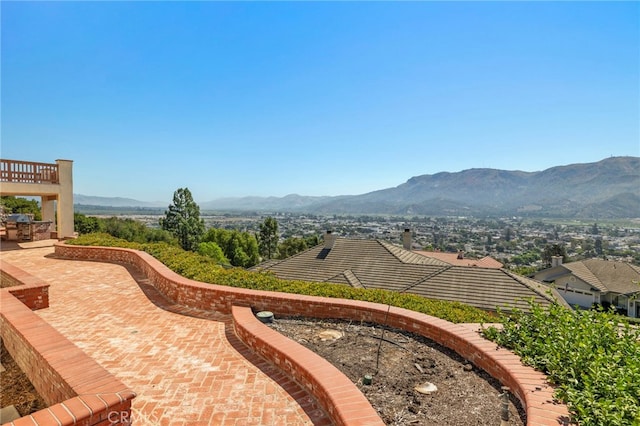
[{"x": 187, "y": 366}]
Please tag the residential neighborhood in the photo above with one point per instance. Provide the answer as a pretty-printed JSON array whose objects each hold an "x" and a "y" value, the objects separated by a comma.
[{"x": 514, "y": 241}]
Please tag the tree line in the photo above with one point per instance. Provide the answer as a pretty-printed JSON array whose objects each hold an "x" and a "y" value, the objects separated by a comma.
[{"x": 182, "y": 225}]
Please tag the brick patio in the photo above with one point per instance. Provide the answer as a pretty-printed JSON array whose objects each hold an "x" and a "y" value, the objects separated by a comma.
[{"x": 186, "y": 369}]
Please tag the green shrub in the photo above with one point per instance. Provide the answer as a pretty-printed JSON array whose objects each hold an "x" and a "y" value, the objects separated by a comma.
[
  {"x": 212, "y": 250},
  {"x": 205, "y": 269},
  {"x": 592, "y": 357},
  {"x": 124, "y": 228}
]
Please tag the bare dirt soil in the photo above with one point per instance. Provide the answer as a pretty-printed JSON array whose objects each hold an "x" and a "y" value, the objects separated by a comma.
[
  {"x": 17, "y": 390},
  {"x": 465, "y": 396}
]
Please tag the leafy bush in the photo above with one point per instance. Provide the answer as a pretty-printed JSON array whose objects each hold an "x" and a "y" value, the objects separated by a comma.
[
  {"x": 212, "y": 250},
  {"x": 126, "y": 229},
  {"x": 205, "y": 269},
  {"x": 591, "y": 356},
  {"x": 241, "y": 248}
]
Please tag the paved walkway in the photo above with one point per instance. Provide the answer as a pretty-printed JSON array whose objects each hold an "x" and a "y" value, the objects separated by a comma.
[{"x": 187, "y": 366}]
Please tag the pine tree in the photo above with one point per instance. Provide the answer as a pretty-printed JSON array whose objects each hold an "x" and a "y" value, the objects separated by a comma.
[
  {"x": 268, "y": 238},
  {"x": 183, "y": 220}
]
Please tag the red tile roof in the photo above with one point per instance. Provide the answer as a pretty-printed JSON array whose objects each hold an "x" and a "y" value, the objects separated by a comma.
[{"x": 452, "y": 259}]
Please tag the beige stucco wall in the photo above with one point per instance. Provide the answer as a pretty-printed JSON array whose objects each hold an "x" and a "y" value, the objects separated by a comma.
[
  {"x": 47, "y": 206},
  {"x": 22, "y": 189},
  {"x": 65, "y": 199},
  {"x": 579, "y": 293},
  {"x": 572, "y": 282},
  {"x": 546, "y": 274}
]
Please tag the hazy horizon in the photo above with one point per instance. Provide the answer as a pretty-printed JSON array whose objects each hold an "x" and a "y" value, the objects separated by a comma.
[
  {"x": 235, "y": 99},
  {"x": 318, "y": 196}
]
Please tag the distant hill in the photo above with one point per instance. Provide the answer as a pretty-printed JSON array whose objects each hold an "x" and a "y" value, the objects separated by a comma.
[
  {"x": 605, "y": 189},
  {"x": 88, "y": 200},
  {"x": 608, "y": 188},
  {"x": 291, "y": 202}
]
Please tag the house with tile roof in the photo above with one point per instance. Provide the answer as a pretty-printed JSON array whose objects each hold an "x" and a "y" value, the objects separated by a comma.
[
  {"x": 590, "y": 281},
  {"x": 367, "y": 263}
]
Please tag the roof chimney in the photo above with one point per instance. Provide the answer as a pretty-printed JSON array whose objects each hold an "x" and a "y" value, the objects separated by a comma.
[
  {"x": 406, "y": 239},
  {"x": 329, "y": 240},
  {"x": 556, "y": 261}
]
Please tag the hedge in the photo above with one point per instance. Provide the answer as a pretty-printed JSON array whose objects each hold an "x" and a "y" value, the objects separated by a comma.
[{"x": 204, "y": 269}]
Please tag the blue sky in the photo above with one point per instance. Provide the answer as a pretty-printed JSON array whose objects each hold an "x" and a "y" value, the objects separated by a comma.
[{"x": 314, "y": 98}]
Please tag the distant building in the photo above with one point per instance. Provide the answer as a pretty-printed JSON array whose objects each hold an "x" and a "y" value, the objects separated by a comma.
[
  {"x": 378, "y": 264},
  {"x": 592, "y": 281}
]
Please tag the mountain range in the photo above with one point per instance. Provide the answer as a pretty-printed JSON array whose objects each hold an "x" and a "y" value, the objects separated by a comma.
[{"x": 609, "y": 188}]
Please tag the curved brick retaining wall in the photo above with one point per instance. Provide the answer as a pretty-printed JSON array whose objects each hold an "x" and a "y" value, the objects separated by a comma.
[
  {"x": 340, "y": 398},
  {"x": 77, "y": 389},
  {"x": 528, "y": 385}
]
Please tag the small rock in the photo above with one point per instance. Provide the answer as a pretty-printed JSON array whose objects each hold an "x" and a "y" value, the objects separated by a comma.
[
  {"x": 330, "y": 335},
  {"x": 468, "y": 367},
  {"x": 426, "y": 388}
]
